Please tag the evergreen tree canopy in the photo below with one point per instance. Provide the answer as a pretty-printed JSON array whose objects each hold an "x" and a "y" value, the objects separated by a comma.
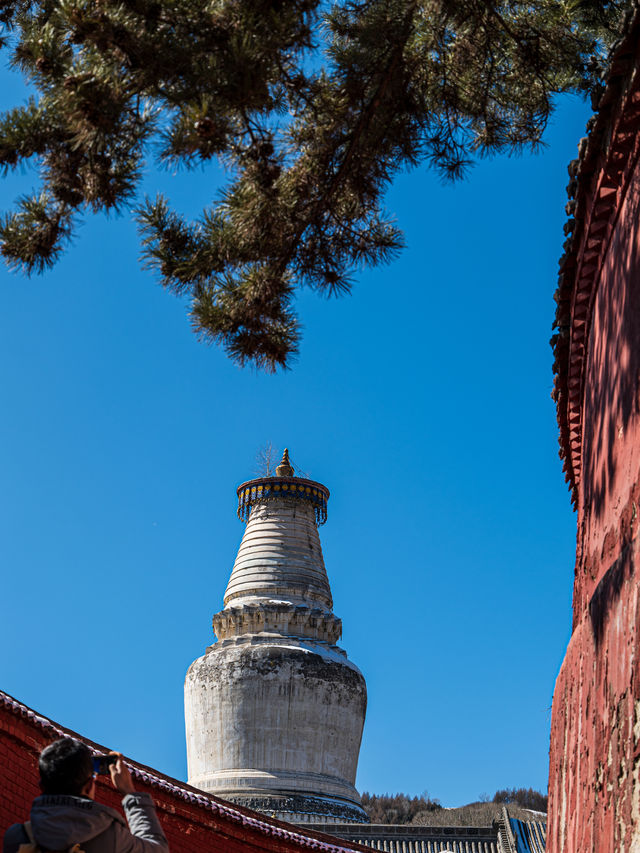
[{"x": 311, "y": 108}]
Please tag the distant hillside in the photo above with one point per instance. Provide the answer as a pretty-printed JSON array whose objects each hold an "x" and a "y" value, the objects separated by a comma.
[
  {"x": 396, "y": 808},
  {"x": 473, "y": 814},
  {"x": 425, "y": 811}
]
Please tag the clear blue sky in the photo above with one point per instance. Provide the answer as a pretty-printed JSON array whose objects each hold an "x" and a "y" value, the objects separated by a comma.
[{"x": 421, "y": 401}]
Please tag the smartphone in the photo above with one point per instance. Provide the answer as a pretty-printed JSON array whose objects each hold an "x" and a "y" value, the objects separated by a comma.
[{"x": 101, "y": 764}]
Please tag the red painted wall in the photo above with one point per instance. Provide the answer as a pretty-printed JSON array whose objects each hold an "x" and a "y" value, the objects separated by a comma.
[
  {"x": 594, "y": 775},
  {"x": 193, "y": 821}
]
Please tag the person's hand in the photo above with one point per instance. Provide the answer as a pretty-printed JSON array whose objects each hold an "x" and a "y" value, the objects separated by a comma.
[{"x": 120, "y": 775}]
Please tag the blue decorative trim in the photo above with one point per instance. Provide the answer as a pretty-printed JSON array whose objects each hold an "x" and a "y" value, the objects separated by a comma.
[{"x": 268, "y": 488}]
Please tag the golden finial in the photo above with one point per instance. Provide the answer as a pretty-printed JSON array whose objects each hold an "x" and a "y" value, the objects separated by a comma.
[{"x": 284, "y": 469}]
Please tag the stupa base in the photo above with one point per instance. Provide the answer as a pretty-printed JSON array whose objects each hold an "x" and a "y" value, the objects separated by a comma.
[{"x": 301, "y": 808}]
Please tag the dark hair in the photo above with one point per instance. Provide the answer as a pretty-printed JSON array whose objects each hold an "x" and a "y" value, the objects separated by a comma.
[{"x": 65, "y": 766}]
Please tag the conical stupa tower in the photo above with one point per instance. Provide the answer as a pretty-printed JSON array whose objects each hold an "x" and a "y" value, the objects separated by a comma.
[{"x": 274, "y": 709}]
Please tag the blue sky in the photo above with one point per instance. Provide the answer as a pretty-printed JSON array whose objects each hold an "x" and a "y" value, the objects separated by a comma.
[{"x": 422, "y": 401}]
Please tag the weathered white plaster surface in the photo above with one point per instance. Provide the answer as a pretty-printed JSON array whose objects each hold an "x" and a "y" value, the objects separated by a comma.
[{"x": 286, "y": 718}]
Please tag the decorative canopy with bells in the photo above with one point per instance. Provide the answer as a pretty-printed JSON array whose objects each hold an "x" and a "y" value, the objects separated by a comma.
[{"x": 283, "y": 485}]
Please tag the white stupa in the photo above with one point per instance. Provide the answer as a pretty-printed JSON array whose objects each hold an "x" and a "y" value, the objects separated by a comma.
[{"x": 274, "y": 709}]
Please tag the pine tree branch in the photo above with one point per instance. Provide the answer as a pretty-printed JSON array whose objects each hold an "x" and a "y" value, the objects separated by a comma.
[{"x": 310, "y": 153}]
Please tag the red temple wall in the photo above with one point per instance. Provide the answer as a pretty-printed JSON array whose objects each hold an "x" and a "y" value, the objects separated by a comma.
[
  {"x": 594, "y": 774},
  {"x": 192, "y": 820}
]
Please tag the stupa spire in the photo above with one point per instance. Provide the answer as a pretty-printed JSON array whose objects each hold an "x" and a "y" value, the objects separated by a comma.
[{"x": 284, "y": 469}]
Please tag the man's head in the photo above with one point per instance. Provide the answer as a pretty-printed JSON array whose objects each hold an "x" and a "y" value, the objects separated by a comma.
[{"x": 66, "y": 767}]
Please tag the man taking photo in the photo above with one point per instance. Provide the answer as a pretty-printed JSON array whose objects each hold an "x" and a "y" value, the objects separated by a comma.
[{"x": 66, "y": 813}]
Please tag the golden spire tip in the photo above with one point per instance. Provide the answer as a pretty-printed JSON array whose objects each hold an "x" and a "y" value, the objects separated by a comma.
[{"x": 284, "y": 469}]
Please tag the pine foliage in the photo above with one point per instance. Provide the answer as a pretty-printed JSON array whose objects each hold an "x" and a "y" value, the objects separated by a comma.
[{"x": 311, "y": 108}]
